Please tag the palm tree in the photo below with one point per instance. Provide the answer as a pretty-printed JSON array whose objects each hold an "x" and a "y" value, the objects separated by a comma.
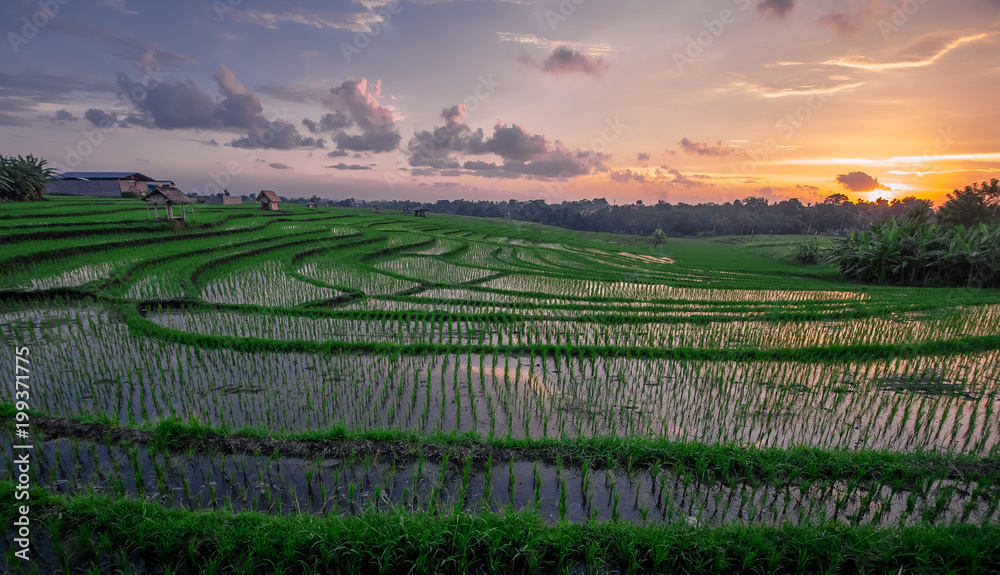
[
  {"x": 22, "y": 179},
  {"x": 6, "y": 181}
]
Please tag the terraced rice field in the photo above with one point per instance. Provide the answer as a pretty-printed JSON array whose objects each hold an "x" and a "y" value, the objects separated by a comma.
[{"x": 482, "y": 376}]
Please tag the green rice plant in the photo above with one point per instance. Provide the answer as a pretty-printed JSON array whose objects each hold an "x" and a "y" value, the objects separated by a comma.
[{"x": 487, "y": 483}]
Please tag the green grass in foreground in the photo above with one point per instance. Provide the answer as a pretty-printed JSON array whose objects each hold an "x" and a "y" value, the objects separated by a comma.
[
  {"x": 709, "y": 461},
  {"x": 399, "y": 541}
]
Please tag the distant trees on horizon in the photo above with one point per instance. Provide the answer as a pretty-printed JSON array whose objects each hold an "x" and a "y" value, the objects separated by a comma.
[
  {"x": 836, "y": 214},
  {"x": 752, "y": 215}
]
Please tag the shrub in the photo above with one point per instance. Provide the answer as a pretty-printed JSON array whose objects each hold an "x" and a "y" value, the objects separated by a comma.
[{"x": 807, "y": 251}]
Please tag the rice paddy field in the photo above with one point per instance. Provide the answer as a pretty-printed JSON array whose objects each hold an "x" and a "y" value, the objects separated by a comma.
[{"x": 337, "y": 391}]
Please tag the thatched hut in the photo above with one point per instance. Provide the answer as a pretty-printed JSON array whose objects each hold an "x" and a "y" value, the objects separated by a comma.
[
  {"x": 168, "y": 196},
  {"x": 268, "y": 200}
]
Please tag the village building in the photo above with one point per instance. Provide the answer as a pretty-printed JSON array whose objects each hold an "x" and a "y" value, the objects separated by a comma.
[
  {"x": 168, "y": 196},
  {"x": 268, "y": 200},
  {"x": 102, "y": 184},
  {"x": 420, "y": 212},
  {"x": 220, "y": 200}
]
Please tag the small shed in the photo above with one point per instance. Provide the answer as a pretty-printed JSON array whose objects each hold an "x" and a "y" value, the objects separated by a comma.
[
  {"x": 311, "y": 204},
  {"x": 169, "y": 196},
  {"x": 268, "y": 200},
  {"x": 420, "y": 212}
]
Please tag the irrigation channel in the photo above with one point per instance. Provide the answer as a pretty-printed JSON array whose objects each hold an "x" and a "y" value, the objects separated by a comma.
[{"x": 334, "y": 364}]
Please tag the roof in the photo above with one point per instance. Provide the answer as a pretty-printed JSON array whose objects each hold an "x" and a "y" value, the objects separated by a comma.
[
  {"x": 268, "y": 195},
  {"x": 105, "y": 176},
  {"x": 169, "y": 195}
]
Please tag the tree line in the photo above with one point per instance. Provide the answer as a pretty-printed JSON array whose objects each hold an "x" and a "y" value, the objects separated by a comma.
[
  {"x": 959, "y": 246},
  {"x": 836, "y": 214}
]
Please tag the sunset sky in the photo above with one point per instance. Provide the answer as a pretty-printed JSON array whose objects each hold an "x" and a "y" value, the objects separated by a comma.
[{"x": 673, "y": 100}]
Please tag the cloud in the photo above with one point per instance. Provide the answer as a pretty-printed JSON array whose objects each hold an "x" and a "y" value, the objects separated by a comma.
[
  {"x": 558, "y": 162},
  {"x": 37, "y": 85},
  {"x": 183, "y": 105},
  {"x": 106, "y": 120},
  {"x": 303, "y": 94},
  {"x": 10, "y": 120},
  {"x": 279, "y": 166},
  {"x": 61, "y": 117},
  {"x": 626, "y": 176},
  {"x": 795, "y": 87},
  {"x": 523, "y": 154},
  {"x": 100, "y": 118},
  {"x": 211, "y": 143},
  {"x": 353, "y": 21},
  {"x": 859, "y": 182},
  {"x": 143, "y": 55},
  {"x": 354, "y": 106},
  {"x": 565, "y": 60},
  {"x": 343, "y": 166},
  {"x": 778, "y": 8},
  {"x": 514, "y": 143},
  {"x": 455, "y": 113},
  {"x": 546, "y": 44},
  {"x": 171, "y": 105},
  {"x": 277, "y": 135},
  {"x": 436, "y": 148},
  {"x": 642, "y": 157},
  {"x": 850, "y": 23},
  {"x": 239, "y": 108},
  {"x": 117, "y": 5},
  {"x": 670, "y": 175},
  {"x": 923, "y": 53},
  {"x": 707, "y": 149},
  {"x": 328, "y": 123},
  {"x": 663, "y": 175},
  {"x": 477, "y": 165}
]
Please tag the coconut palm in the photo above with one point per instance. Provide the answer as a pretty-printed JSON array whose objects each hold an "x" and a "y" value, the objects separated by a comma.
[{"x": 22, "y": 179}]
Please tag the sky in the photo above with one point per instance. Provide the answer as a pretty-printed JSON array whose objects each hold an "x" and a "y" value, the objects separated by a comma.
[{"x": 668, "y": 100}]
